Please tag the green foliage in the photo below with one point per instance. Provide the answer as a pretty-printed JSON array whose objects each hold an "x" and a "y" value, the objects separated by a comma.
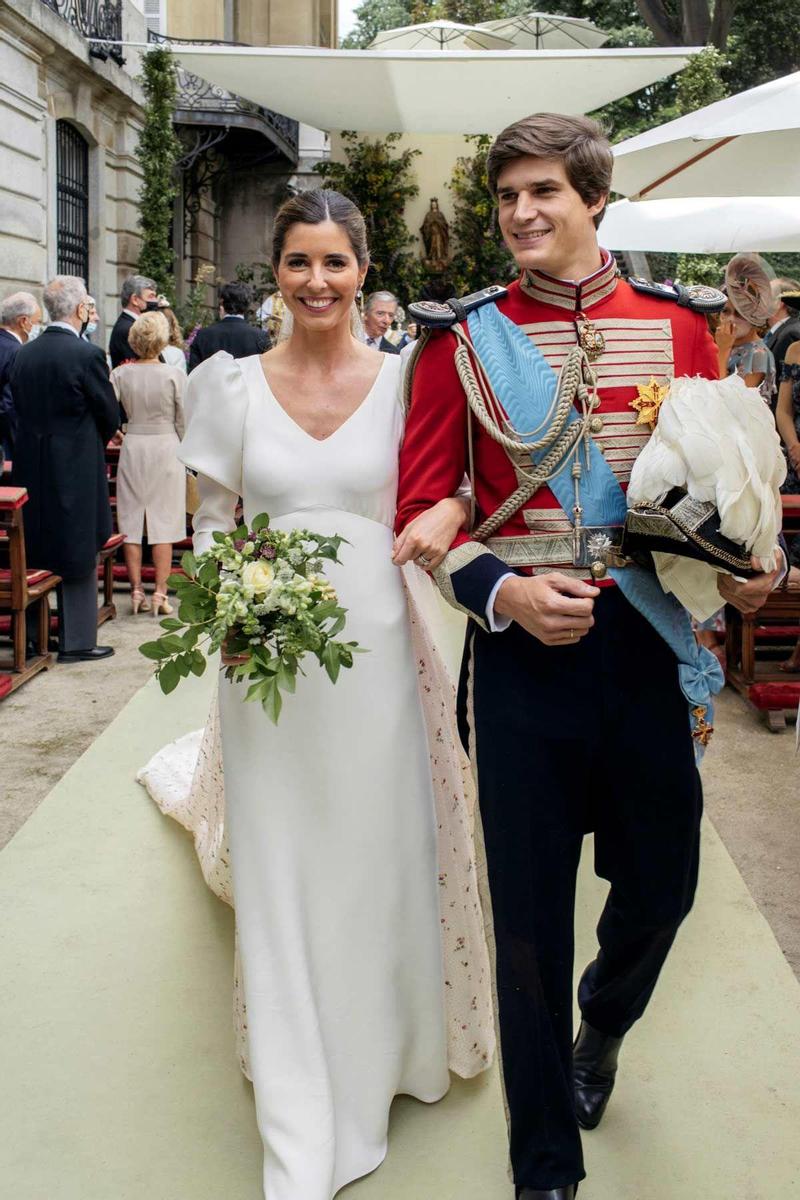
[
  {"x": 701, "y": 268},
  {"x": 479, "y": 254},
  {"x": 194, "y": 312},
  {"x": 372, "y": 17},
  {"x": 380, "y": 181},
  {"x": 701, "y": 81},
  {"x": 157, "y": 151}
]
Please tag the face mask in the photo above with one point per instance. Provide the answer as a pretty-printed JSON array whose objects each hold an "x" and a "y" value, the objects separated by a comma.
[
  {"x": 91, "y": 327},
  {"x": 35, "y": 330}
]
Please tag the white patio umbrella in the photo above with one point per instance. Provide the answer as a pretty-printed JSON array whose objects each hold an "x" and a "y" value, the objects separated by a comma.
[
  {"x": 704, "y": 225},
  {"x": 749, "y": 142},
  {"x": 547, "y": 31},
  {"x": 439, "y": 35},
  {"x": 425, "y": 91}
]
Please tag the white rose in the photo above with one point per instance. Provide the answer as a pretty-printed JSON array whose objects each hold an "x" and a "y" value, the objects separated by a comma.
[{"x": 257, "y": 577}]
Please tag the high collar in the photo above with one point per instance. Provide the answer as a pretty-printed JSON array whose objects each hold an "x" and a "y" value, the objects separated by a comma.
[{"x": 574, "y": 295}]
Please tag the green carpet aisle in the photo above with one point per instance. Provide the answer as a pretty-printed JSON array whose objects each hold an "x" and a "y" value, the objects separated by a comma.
[{"x": 119, "y": 1078}]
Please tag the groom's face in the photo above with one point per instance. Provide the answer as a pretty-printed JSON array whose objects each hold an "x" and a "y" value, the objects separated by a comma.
[{"x": 544, "y": 221}]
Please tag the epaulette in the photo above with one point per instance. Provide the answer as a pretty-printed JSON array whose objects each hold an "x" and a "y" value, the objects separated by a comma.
[
  {"x": 697, "y": 296},
  {"x": 441, "y": 316}
]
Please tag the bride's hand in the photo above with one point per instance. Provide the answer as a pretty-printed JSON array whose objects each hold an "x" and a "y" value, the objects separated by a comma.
[
  {"x": 232, "y": 660},
  {"x": 427, "y": 538}
]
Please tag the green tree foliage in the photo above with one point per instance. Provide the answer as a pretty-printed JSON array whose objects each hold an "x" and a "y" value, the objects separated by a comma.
[
  {"x": 157, "y": 152},
  {"x": 372, "y": 17},
  {"x": 380, "y": 180},
  {"x": 479, "y": 255}
]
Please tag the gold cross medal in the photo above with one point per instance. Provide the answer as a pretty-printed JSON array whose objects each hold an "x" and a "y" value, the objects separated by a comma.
[{"x": 649, "y": 400}]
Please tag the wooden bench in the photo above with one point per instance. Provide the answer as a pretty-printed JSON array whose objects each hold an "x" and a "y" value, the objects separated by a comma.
[
  {"x": 105, "y": 571},
  {"x": 756, "y": 645},
  {"x": 21, "y": 588}
]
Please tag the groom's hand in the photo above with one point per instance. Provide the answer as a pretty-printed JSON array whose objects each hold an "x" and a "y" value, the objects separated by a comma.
[{"x": 554, "y": 608}]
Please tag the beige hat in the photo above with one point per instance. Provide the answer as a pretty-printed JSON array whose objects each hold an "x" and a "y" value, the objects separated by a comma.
[{"x": 747, "y": 285}]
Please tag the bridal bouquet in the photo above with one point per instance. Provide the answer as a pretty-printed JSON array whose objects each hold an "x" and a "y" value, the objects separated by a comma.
[{"x": 261, "y": 593}]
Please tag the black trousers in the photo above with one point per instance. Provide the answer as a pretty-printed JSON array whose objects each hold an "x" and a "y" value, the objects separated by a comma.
[{"x": 567, "y": 740}]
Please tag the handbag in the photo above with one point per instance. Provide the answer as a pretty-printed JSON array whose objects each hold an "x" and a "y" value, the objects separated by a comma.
[
  {"x": 676, "y": 523},
  {"x": 192, "y": 493}
]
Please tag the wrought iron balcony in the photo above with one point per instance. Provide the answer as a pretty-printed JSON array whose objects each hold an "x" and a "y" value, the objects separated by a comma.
[
  {"x": 97, "y": 19},
  {"x": 201, "y": 103}
]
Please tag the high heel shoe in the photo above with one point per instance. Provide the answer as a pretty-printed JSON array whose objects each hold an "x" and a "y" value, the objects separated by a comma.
[
  {"x": 161, "y": 605},
  {"x": 139, "y": 602}
]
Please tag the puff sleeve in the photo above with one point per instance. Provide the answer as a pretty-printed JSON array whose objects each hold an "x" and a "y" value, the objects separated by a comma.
[{"x": 215, "y": 406}]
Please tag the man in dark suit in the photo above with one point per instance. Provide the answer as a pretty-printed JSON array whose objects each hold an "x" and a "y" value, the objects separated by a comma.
[
  {"x": 784, "y": 328},
  {"x": 232, "y": 332},
  {"x": 379, "y": 313},
  {"x": 137, "y": 292},
  {"x": 66, "y": 413},
  {"x": 20, "y": 314}
]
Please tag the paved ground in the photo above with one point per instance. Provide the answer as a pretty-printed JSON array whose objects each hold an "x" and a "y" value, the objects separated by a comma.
[{"x": 751, "y": 776}]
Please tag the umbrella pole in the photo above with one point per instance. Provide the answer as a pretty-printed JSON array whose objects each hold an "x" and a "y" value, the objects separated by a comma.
[{"x": 683, "y": 167}]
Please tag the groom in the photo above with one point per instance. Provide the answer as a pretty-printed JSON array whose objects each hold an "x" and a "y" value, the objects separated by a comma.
[{"x": 569, "y": 698}]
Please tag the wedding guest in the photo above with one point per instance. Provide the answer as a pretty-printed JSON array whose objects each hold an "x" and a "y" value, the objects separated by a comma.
[
  {"x": 739, "y": 342},
  {"x": 94, "y": 320},
  {"x": 151, "y": 483},
  {"x": 174, "y": 353},
  {"x": 20, "y": 316},
  {"x": 379, "y": 313},
  {"x": 67, "y": 412},
  {"x": 137, "y": 292},
  {"x": 785, "y": 326},
  {"x": 231, "y": 332}
]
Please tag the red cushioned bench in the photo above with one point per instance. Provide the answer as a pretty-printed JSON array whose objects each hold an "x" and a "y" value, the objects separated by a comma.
[
  {"x": 21, "y": 588},
  {"x": 756, "y": 645}
]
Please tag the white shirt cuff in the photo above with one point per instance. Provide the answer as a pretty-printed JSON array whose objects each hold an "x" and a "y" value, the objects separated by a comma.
[{"x": 496, "y": 623}]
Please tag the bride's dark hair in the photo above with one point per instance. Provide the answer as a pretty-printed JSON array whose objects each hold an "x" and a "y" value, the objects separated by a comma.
[{"x": 312, "y": 208}]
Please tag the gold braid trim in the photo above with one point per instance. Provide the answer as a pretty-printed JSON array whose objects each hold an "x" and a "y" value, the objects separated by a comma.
[
  {"x": 576, "y": 381},
  {"x": 453, "y": 561}
]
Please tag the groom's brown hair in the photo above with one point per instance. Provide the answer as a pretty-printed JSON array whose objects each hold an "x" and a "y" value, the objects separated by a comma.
[{"x": 579, "y": 142}]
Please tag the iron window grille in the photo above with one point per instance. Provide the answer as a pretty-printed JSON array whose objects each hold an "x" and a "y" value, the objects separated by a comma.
[{"x": 72, "y": 191}]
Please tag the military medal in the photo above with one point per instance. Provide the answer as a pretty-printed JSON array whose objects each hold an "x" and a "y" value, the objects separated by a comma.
[
  {"x": 590, "y": 339},
  {"x": 649, "y": 400}
]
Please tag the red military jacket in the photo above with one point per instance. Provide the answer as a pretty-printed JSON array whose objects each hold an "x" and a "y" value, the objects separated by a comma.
[{"x": 646, "y": 337}]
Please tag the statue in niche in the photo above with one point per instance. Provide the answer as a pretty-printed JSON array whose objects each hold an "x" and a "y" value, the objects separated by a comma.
[{"x": 436, "y": 238}]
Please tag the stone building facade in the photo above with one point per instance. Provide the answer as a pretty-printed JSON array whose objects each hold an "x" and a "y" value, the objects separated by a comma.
[
  {"x": 70, "y": 115},
  {"x": 69, "y": 122}
]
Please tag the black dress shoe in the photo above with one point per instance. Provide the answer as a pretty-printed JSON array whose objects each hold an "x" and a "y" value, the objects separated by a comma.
[
  {"x": 74, "y": 656},
  {"x": 595, "y": 1058},
  {"x": 561, "y": 1193}
]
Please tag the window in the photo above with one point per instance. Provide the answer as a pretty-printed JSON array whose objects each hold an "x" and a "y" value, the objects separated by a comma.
[
  {"x": 72, "y": 174},
  {"x": 155, "y": 15}
]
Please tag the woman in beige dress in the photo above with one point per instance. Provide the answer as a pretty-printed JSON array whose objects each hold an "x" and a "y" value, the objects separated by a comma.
[{"x": 151, "y": 482}]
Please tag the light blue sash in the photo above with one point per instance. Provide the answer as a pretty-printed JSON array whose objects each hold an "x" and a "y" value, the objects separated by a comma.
[{"x": 525, "y": 385}]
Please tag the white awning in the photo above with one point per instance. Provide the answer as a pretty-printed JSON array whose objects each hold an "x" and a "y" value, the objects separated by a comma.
[
  {"x": 704, "y": 225},
  {"x": 749, "y": 141},
  {"x": 463, "y": 91}
]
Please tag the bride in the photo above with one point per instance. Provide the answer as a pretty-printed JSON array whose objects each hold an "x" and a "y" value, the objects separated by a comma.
[{"x": 363, "y": 966}]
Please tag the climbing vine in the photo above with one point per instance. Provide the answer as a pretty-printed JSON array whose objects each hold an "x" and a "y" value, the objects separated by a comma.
[{"x": 157, "y": 151}]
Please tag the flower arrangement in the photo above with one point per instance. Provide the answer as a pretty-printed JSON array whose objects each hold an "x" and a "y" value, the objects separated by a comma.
[{"x": 261, "y": 594}]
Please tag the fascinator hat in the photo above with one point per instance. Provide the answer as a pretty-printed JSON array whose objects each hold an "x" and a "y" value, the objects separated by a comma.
[
  {"x": 791, "y": 300},
  {"x": 747, "y": 286}
]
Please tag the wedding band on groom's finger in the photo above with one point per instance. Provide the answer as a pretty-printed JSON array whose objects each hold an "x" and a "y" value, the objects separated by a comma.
[{"x": 422, "y": 561}]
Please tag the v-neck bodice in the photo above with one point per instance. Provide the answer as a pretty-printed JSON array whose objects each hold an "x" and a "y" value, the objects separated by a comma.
[{"x": 248, "y": 442}]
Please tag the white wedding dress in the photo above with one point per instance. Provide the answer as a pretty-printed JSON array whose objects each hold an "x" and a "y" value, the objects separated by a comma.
[{"x": 363, "y": 963}]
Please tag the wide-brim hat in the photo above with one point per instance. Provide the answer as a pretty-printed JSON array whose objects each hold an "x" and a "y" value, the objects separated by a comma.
[
  {"x": 747, "y": 285},
  {"x": 791, "y": 300}
]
